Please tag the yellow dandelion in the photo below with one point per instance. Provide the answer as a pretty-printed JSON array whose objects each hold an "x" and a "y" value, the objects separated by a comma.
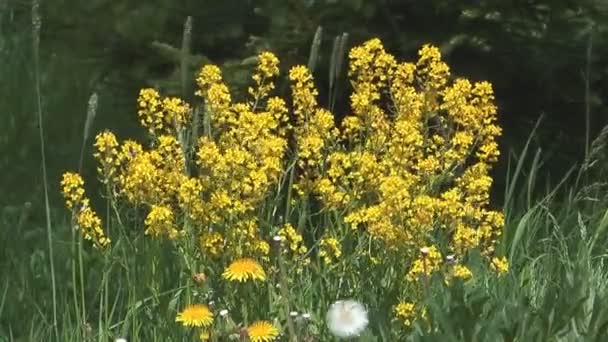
[
  {"x": 262, "y": 331},
  {"x": 196, "y": 315},
  {"x": 244, "y": 269}
]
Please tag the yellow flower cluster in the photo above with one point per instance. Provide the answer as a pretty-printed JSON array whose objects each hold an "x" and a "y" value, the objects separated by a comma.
[
  {"x": 500, "y": 265},
  {"x": 106, "y": 155},
  {"x": 408, "y": 171},
  {"x": 217, "y": 96},
  {"x": 430, "y": 261},
  {"x": 330, "y": 250},
  {"x": 86, "y": 220},
  {"x": 413, "y": 162},
  {"x": 160, "y": 221},
  {"x": 458, "y": 271},
  {"x": 415, "y": 156},
  {"x": 405, "y": 312},
  {"x": 154, "y": 176},
  {"x": 296, "y": 251},
  {"x": 268, "y": 67},
  {"x": 294, "y": 240},
  {"x": 240, "y": 160},
  {"x": 161, "y": 115},
  {"x": 315, "y": 130}
]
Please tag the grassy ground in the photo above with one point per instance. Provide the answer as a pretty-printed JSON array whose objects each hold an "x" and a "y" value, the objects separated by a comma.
[{"x": 555, "y": 239}]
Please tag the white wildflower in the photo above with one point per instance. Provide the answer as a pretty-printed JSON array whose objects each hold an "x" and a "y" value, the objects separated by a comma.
[{"x": 347, "y": 318}]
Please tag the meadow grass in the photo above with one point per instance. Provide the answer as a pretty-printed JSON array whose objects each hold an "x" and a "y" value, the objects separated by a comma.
[
  {"x": 555, "y": 290},
  {"x": 554, "y": 239}
]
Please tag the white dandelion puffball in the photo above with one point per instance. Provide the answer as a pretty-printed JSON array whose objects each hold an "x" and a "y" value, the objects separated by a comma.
[
  {"x": 120, "y": 339},
  {"x": 346, "y": 318}
]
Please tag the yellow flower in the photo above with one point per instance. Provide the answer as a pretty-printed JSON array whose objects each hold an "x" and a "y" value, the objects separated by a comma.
[
  {"x": 90, "y": 225},
  {"x": 262, "y": 331},
  {"x": 405, "y": 312},
  {"x": 429, "y": 262},
  {"x": 106, "y": 155},
  {"x": 160, "y": 221},
  {"x": 72, "y": 187},
  {"x": 176, "y": 112},
  {"x": 212, "y": 244},
  {"x": 462, "y": 272},
  {"x": 244, "y": 269},
  {"x": 85, "y": 218},
  {"x": 330, "y": 250},
  {"x": 150, "y": 110},
  {"x": 500, "y": 265},
  {"x": 196, "y": 315},
  {"x": 267, "y": 68}
]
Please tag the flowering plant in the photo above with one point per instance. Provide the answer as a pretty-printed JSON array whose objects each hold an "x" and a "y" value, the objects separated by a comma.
[{"x": 273, "y": 201}]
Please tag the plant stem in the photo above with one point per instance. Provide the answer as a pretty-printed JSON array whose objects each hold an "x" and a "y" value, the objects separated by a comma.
[{"x": 36, "y": 24}]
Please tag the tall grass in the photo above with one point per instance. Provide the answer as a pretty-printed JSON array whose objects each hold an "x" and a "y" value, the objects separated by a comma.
[
  {"x": 36, "y": 24},
  {"x": 554, "y": 292}
]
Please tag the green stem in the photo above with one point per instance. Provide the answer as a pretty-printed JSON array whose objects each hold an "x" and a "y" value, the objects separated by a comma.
[
  {"x": 285, "y": 294},
  {"x": 81, "y": 276},
  {"x": 289, "y": 190},
  {"x": 36, "y": 24},
  {"x": 75, "y": 281}
]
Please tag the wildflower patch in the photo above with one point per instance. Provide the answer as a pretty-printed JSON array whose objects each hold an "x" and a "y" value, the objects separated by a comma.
[{"x": 270, "y": 197}]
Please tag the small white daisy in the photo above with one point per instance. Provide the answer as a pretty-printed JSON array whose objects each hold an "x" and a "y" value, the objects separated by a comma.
[{"x": 346, "y": 318}]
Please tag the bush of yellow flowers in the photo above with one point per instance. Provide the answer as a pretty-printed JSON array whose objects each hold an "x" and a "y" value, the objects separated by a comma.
[{"x": 277, "y": 208}]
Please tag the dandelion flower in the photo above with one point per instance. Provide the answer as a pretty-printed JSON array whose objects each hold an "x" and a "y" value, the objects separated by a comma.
[
  {"x": 347, "y": 318},
  {"x": 197, "y": 315},
  {"x": 243, "y": 270},
  {"x": 262, "y": 331}
]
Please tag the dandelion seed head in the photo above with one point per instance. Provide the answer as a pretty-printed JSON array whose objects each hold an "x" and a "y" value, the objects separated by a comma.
[{"x": 347, "y": 318}]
